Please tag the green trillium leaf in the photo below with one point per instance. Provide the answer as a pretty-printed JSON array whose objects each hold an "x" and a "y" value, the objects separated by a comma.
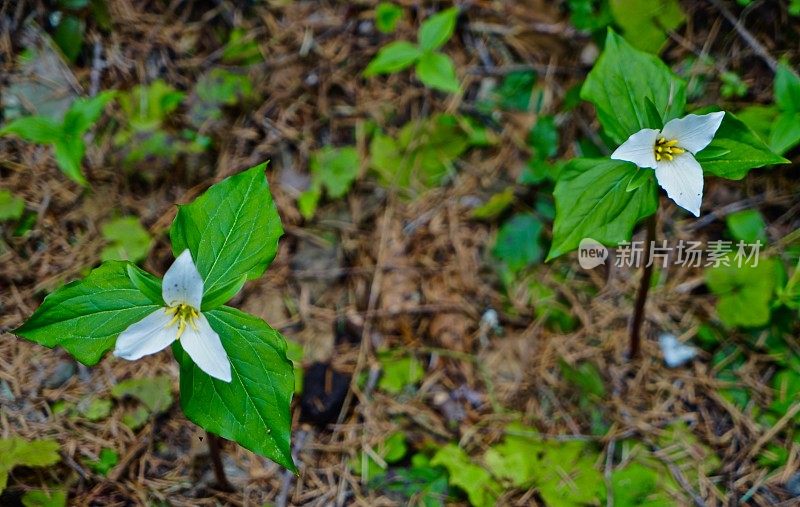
[
  {"x": 592, "y": 201},
  {"x": 86, "y": 316},
  {"x": 232, "y": 231},
  {"x": 252, "y": 409},
  {"x": 620, "y": 95},
  {"x": 735, "y": 150}
]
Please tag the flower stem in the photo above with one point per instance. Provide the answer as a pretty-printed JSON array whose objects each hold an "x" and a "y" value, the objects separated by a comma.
[
  {"x": 644, "y": 287},
  {"x": 214, "y": 449}
]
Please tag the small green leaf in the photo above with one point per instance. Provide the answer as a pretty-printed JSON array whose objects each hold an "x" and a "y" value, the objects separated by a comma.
[
  {"x": 387, "y": 15},
  {"x": 154, "y": 393},
  {"x": 592, "y": 201},
  {"x": 40, "y": 498},
  {"x": 86, "y": 316},
  {"x": 496, "y": 204},
  {"x": 393, "y": 57},
  {"x": 787, "y": 89},
  {"x": 518, "y": 243},
  {"x": 127, "y": 240},
  {"x": 18, "y": 452},
  {"x": 94, "y": 409},
  {"x": 399, "y": 371},
  {"x": 646, "y": 23},
  {"x": 759, "y": 119},
  {"x": 308, "y": 200},
  {"x": 68, "y": 152},
  {"x": 83, "y": 113},
  {"x": 515, "y": 90},
  {"x": 335, "y": 169},
  {"x": 36, "y": 129},
  {"x": 785, "y": 133},
  {"x": 232, "y": 231},
  {"x": 437, "y": 29},
  {"x": 11, "y": 206},
  {"x": 480, "y": 486},
  {"x": 543, "y": 137},
  {"x": 69, "y": 36},
  {"x": 620, "y": 83},
  {"x": 437, "y": 70},
  {"x": 585, "y": 377},
  {"x": 745, "y": 151},
  {"x": 107, "y": 460},
  {"x": 252, "y": 409},
  {"x": 747, "y": 226},
  {"x": 743, "y": 293}
]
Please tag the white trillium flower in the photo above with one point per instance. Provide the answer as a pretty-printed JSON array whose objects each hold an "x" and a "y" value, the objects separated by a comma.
[
  {"x": 670, "y": 151},
  {"x": 181, "y": 319}
]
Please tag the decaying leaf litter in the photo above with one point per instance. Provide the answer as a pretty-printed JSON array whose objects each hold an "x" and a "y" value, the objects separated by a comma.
[{"x": 379, "y": 269}]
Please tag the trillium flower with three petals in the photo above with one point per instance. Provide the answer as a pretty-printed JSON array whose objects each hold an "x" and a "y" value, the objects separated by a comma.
[
  {"x": 670, "y": 151},
  {"x": 181, "y": 319}
]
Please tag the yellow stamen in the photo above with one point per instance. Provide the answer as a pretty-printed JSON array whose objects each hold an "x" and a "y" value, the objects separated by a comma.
[
  {"x": 665, "y": 149},
  {"x": 182, "y": 314}
]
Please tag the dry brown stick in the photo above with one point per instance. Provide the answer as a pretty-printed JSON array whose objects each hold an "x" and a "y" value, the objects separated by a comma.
[
  {"x": 751, "y": 41},
  {"x": 777, "y": 428}
]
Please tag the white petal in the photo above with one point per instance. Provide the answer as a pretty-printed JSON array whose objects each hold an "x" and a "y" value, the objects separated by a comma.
[
  {"x": 682, "y": 178},
  {"x": 639, "y": 149},
  {"x": 693, "y": 132},
  {"x": 205, "y": 348},
  {"x": 182, "y": 283},
  {"x": 147, "y": 336}
]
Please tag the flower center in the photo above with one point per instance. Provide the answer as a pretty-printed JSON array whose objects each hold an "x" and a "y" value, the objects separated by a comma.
[
  {"x": 182, "y": 314},
  {"x": 667, "y": 149}
]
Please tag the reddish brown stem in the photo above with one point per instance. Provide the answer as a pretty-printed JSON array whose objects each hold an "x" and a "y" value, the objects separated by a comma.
[
  {"x": 641, "y": 295},
  {"x": 214, "y": 449}
]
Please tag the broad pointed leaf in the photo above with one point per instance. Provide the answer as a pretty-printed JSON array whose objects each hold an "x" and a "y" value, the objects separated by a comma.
[
  {"x": 86, "y": 316},
  {"x": 252, "y": 409}
]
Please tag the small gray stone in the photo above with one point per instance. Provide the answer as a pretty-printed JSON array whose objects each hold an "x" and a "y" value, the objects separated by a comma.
[{"x": 62, "y": 372}]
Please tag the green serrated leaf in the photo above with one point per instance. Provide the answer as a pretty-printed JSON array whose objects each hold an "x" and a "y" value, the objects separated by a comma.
[
  {"x": 392, "y": 58},
  {"x": 481, "y": 488},
  {"x": 86, "y": 316},
  {"x": 232, "y": 231},
  {"x": 252, "y": 409},
  {"x": 592, "y": 201},
  {"x": 437, "y": 70},
  {"x": 437, "y": 29},
  {"x": 744, "y": 151},
  {"x": 18, "y": 452},
  {"x": 620, "y": 83}
]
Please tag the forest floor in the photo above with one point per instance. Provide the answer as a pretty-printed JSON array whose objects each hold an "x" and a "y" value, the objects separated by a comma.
[{"x": 380, "y": 271}]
